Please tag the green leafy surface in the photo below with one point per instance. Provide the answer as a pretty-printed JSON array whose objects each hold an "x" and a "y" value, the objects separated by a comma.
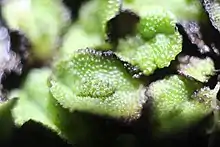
[
  {"x": 41, "y": 20},
  {"x": 77, "y": 38},
  {"x": 182, "y": 9},
  {"x": 89, "y": 30},
  {"x": 96, "y": 82},
  {"x": 174, "y": 105},
  {"x": 95, "y": 14},
  {"x": 109, "y": 10},
  {"x": 155, "y": 45},
  {"x": 155, "y": 22}
]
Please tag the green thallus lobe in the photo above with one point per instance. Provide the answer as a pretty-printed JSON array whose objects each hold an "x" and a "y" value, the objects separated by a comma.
[
  {"x": 177, "y": 105},
  {"x": 156, "y": 22},
  {"x": 97, "y": 82},
  {"x": 182, "y": 9},
  {"x": 155, "y": 45}
]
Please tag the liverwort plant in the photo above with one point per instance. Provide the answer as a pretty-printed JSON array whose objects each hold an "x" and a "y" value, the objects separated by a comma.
[
  {"x": 95, "y": 74},
  {"x": 159, "y": 42},
  {"x": 175, "y": 104},
  {"x": 183, "y": 9},
  {"x": 97, "y": 82}
]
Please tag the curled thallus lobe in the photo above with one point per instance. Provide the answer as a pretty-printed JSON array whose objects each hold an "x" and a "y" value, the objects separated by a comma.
[
  {"x": 97, "y": 82},
  {"x": 155, "y": 44}
]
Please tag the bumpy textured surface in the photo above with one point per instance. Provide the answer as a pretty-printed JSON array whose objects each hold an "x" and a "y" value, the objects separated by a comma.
[
  {"x": 90, "y": 28},
  {"x": 199, "y": 69},
  {"x": 43, "y": 32},
  {"x": 154, "y": 22},
  {"x": 155, "y": 45},
  {"x": 181, "y": 8},
  {"x": 97, "y": 82},
  {"x": 77, "y": 38},
  {"x": 175, "y": 107},
  {"x": 109, "y": 9},
  {"x": 96, "y": 13}
]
